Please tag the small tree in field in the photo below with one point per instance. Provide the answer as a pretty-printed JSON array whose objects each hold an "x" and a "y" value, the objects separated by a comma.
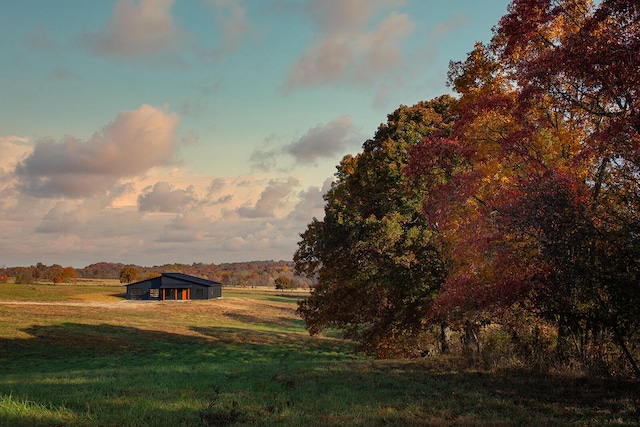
[
  {"x": 68, "y": 274},
  {"x": 54, "y": 273},
  {"x": 128, "y": 275},
  {"x": 24, "y": 276},
  {"x": 284, "y": 283}
]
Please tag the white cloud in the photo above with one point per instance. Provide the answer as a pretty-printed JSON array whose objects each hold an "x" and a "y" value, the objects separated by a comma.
[
  {"x": 346, "y": 48},
  {"x": 162, "y": 197},
  {"x": 329, "y": 141},
  {"x": 272, "y": 198},
  {"x": 325, "y": 141},
  {"x": 235, "y": 243},
  {"x": 191, "y": 226},
  {"x": 68, "y": 217},
  {"x": 132, "y": 144},
  {"x": 265, "y": 217},
  {"x": 311, "y": 203},
  {"x": 136, "y": 29},
  {"x": 12, "y": 148}
]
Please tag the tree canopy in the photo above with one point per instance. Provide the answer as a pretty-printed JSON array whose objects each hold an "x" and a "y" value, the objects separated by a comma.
[
  {"x": 544, "y": 189},
  {"x": 129, "y": 274},
  {"x": 522, "y": 192},
  {"x": 376, "y": 267}
]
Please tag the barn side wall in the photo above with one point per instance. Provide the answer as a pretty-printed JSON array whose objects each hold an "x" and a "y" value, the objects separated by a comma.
[
  {"x": 150, "y": 289},
  {"x": 141, "y": 290}
]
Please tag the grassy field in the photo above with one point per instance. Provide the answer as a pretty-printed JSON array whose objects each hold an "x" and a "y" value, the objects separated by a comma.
[{"x": 79, "y": 355}]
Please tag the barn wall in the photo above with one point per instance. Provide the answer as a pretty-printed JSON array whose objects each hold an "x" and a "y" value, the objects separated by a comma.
[
  {"x": 215, "y": 291},
  {"x": 150, "y": 289},
  {"x": 140, "y": 290}
]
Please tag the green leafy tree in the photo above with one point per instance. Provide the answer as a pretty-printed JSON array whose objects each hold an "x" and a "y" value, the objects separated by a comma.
[
  {"x": 372, "y": 256},
  {"x": 39, "y": 270}
]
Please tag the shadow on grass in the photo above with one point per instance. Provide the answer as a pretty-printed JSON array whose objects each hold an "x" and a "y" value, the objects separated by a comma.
[
  {"x": 76, "y": 374},
  {"x": 283, "y": 322},
  {"x": 58, "y": 344},
  {"x": 286, "y": 298}
]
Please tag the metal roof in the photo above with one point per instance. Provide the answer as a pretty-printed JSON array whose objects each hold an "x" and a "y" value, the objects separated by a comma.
[
  {"x": 192, "y": 279},
  {"x": 175, "y": 286},
  {"x": 182, "y": 277}
]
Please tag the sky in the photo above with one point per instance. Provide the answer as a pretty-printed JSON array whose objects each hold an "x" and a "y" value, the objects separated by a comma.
[{"x": 178, "y": 131}]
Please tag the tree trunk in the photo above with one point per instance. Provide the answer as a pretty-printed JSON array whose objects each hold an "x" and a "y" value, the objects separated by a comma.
[
  {"x": 444, "y": 344},
  {"x": 627, "y": 353},
  {"x": 562, "y": 344}
]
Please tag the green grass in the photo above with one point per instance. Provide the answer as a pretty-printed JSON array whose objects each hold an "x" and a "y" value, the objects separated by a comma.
[
  {"x": 83, "y": 291},
  {"x": 248, "y": 361}
]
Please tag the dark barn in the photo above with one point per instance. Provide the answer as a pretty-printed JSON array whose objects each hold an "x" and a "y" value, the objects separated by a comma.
[{"x": 174, "y": 286}]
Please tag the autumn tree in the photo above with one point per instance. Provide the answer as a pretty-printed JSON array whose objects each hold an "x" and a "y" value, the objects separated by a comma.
[
  {"x": 128, "y": 275},
  {"x": 284, "y": 283},
  {"x": 576, "y": 60},
  {"x": 539, "y": 177},
  {"x": 68, "y": 274},
  {"x": 23, "y": 275},
  {"x": 375, "y": 266},
  {"x": 57, "y": 274},
  {"x": 54, "y": 273}
]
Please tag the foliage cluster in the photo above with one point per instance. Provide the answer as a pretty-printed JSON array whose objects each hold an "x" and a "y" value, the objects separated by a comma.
[
  {"x": 521, "y": 195},
  {"x": 54, "y": 273},
  {"x": 128, "y": 275},
  {"x": 284, "y": 283}
]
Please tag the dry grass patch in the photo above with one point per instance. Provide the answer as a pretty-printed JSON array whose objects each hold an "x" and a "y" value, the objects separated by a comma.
[{"x": 181, "y": 318}]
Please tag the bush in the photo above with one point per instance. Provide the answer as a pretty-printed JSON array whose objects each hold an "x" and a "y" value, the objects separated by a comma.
[{"x": 24, "y": 277}]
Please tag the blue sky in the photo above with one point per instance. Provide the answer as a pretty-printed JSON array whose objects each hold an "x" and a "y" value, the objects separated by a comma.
[{"x": 160, "y": 131}]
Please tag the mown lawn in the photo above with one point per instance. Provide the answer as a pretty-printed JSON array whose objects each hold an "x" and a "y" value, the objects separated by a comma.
[{"x": 246, "y": 360}]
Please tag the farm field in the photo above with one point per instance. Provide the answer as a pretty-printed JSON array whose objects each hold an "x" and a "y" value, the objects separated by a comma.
[{"x": 80, "y": 355}]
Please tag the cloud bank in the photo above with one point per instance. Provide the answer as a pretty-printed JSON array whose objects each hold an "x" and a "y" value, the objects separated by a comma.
[
  {"x": 271, "y": 199},
  {"x": 163, "y": 198},
  {"x": 130, "y": 145},
  {"x": 124, "y": 193}
]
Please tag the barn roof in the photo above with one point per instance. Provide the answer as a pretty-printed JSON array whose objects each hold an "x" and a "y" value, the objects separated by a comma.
[
  {"x": 192, "y": 279},
  {"x": 181, "y": 277}
]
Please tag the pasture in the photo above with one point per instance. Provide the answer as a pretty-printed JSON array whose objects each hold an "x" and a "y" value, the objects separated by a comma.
[{"x": 80, "y": 355}]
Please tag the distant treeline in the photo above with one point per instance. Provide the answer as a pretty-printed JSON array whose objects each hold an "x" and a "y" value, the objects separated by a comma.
[{"x": 252, "y": 273}]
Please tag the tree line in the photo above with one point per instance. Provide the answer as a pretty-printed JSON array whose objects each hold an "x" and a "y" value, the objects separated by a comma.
[
  {"x": 513, "y": 206},
  {"x": 54, "y": 273},
  {"x": 248, "y": 274}
]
